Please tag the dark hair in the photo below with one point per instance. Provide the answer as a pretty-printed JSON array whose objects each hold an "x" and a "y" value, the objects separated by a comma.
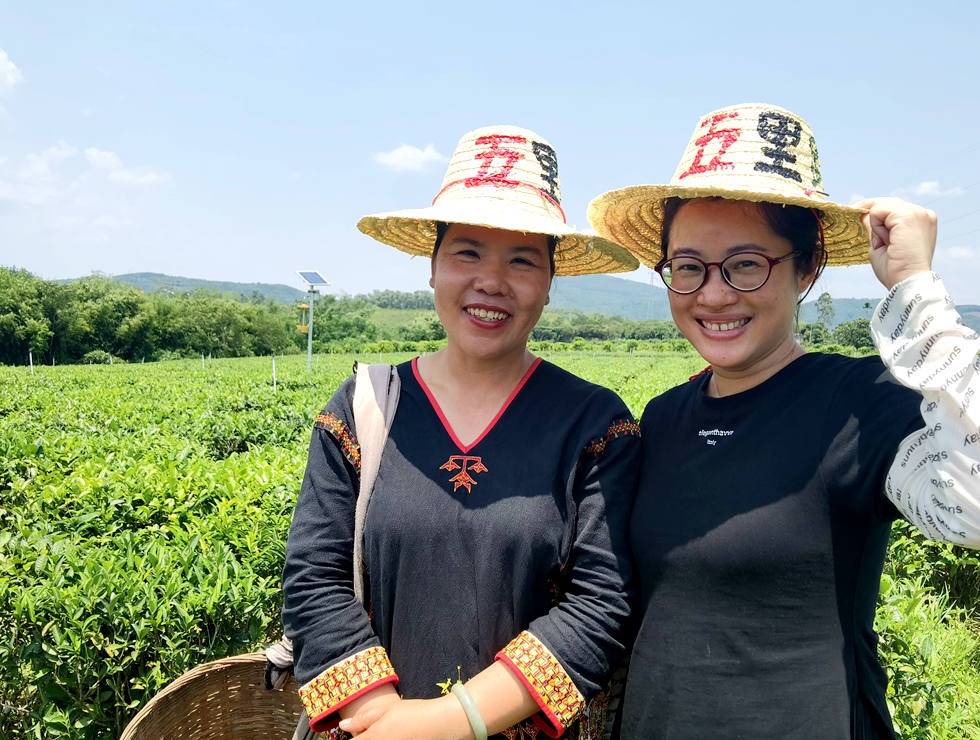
[
  {"x": 442, "y": 227},
  {"x": 801, "y": 227}
]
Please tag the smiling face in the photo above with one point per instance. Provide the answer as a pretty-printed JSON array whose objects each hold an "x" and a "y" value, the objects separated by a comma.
[
  {"x": 747, "y": 337},
  {"x": 490, "y": 288}
]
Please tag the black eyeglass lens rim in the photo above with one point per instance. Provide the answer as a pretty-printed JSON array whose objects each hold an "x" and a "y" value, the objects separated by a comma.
[{"x": 664, "y": 264}]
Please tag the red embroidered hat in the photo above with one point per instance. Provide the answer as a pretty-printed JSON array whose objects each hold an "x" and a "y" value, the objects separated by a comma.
[
  {"x": 751, "y": 152},
  {"x": 502, "y": 177}
]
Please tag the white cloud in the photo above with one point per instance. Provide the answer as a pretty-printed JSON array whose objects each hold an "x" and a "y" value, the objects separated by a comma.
[
  {"x": 10, "y": 75},
  {"x": 930, "y": 189},
  {"x": 71, "y": 193},
  {"x": 958, "y": 253},
  {"x": 37, "y": 180},
  {"x": 111, "y": 163},
  {"x": 61, "y": 195},
  {"x": 406, "y": 158},
  {"x": 103, "y": 160},
  {"x": 139, "y": 177}
]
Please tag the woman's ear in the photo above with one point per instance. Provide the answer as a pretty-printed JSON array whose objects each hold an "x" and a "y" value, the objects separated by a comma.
[{"x": 807, "y": 280}]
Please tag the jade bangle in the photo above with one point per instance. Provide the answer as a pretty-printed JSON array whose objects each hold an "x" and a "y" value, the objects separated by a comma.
[{"x": 472, "y": 713}]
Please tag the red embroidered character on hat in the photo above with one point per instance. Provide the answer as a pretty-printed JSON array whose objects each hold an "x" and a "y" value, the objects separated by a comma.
[
  {"x": 728, "y": 137},
  {"x": 510, "y": 157}
]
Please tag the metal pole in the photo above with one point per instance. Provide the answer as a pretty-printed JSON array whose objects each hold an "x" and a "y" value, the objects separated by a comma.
[{"x": 309, "y": 333}]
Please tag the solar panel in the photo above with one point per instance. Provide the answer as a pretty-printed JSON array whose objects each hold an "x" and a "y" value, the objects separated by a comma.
[{"x": 312, "y": 277}]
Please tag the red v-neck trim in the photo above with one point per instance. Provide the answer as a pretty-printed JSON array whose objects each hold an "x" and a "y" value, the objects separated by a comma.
[{"x": 445, "y": 422}]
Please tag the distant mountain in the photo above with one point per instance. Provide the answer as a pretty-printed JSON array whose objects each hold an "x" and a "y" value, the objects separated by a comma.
[
  {"x": 845, "y": 309},
  {"x": 155, "y": 282},
  {"x": 586, "y": 293},
  {"x": 971, "y": 316},
  {"x": 612, "y": 296},
  {"x": 640, "y": 301}
]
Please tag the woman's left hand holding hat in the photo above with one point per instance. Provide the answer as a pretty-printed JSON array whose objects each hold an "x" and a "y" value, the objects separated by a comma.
[{"x": 903, "y": 238}]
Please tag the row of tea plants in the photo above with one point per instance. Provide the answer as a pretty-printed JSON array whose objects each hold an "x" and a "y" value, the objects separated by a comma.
[{"x": 144, "y": 510}]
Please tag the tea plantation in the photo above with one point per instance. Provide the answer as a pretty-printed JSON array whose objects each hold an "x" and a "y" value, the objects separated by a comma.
[{"x": 144, "y": 511}]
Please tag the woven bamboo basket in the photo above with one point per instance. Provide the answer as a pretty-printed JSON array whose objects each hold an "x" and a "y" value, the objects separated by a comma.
[{"x": 223, "y": 699}]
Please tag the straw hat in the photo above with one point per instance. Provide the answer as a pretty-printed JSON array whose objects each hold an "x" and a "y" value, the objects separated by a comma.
[
  {"x": 751, "y": 152},
  {"x": 502, "y": 177}
]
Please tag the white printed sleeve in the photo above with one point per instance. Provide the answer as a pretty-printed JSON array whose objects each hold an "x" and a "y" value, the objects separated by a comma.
[{"x": 935, "y": 478}]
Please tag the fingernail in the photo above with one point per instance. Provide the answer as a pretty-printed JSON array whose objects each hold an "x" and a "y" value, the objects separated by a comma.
[{"x": 344, "y": 724}]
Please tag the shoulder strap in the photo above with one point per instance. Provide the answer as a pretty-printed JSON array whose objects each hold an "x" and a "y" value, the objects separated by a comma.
[{"x": 376, "y": 391}]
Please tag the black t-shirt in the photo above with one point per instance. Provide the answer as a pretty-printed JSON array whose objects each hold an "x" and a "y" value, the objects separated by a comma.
[{"x": 759, "y": 534}]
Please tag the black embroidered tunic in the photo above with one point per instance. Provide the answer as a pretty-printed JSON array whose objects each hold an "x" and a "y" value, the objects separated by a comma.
[{"x": 510, "y": 548}]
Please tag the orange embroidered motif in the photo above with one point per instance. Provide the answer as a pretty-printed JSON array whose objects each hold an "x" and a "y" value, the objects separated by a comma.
[
  {"x": 345, "y": 679},
  {"x": 465, "y": 464},
  {"x": 333, "y": 424},
  {"x": 592, "y": 722},
  {"x": 620, "y": 427},
  {"x": 526, "y": 730},
  {"x": 544, "y": 676}
]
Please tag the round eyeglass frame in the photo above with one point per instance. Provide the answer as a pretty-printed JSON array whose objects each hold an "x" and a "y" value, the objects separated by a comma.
[{"x": 704, "y": 278}]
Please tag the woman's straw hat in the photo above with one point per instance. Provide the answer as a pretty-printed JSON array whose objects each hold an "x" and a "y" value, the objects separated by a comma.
[
  {"x": 750, "y": 152},
  {"x": 502, "y": 177}
]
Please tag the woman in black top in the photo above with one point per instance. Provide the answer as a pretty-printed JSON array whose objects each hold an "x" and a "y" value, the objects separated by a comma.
[
  {"x": 769, "y": 482},
  {"x": 495, "y": 537}
]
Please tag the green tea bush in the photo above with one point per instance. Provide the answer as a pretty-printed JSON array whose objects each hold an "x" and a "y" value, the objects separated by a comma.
[
  {"x": 951, "y": 571},
  {"x": 930, "y": 650},
  {"x": 144, "y": 511},
  {"x": 100, "y": 357}
]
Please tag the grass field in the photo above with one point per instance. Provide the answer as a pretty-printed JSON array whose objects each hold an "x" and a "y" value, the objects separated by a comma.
[
  {"x": 390, "y": 320},
  {"x": 144, "y": 509}
]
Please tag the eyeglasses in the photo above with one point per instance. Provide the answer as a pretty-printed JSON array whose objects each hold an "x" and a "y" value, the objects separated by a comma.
[{"x": 744, "y": 271}]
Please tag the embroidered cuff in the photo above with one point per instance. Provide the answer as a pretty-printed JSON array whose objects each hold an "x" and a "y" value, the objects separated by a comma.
[
  {"x": 549, "y": 684},
  {"x": 335, "y": 426},
  {"x": 619, "y": 428},
  {"x": 343, "y": 682}
]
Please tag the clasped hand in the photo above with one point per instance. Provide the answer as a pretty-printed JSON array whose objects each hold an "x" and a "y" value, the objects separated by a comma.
[
  {"x": 903, "y": 238},
  {"x": 411, "y": 719}
]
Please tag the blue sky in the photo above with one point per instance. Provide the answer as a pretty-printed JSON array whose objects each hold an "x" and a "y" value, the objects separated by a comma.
[{"x": 242, "y": 141}]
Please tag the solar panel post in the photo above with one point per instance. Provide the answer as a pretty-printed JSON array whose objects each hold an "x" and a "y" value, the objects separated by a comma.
[
  {"x": 312, "y": 278},
  {"x": 309, "y": 332}
]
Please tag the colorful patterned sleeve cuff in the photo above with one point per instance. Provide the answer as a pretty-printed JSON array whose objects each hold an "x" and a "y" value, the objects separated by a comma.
[
  {"x": 343, "y": 682},
  {"x": 560, "y": 701}
]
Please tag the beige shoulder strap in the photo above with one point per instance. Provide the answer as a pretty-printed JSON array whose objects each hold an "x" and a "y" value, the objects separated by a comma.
[{"x": 376, "y": 390}]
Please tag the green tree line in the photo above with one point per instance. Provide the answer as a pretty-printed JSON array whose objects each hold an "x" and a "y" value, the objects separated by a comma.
[
  {"x": 97, "y": 319},
  {"x": 94, "y": 318}
]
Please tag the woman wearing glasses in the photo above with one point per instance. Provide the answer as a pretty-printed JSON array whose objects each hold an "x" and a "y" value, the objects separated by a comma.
[{"x": 763, "y": 514}]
